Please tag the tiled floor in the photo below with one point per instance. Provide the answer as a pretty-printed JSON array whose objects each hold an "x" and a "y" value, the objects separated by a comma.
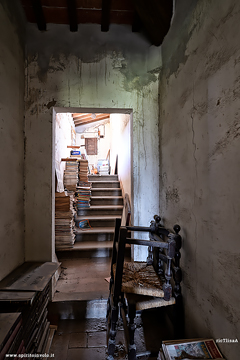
[{"x": 84, "y": 337}]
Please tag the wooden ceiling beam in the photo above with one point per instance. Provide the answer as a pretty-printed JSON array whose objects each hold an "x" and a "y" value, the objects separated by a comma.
[
  {"x": 156, "y": 17},
  {"x": 106, "y": 7},
  {"x": 91, "y": 120},
  {"x": 72, "y": 14},
  {"x": 85, "y": 123},
  {"x": 137, "y": 23},
  {"x": 82, "y": 117},
  {"x": 86, "y": 116},
  {"x": 38, "y": 12},
  {"x": 78, "y": 123}
]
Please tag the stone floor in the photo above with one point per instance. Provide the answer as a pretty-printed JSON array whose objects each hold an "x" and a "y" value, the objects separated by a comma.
[
  {"x": 83, "y": 279},
  {"x": 79, "y": 311}
]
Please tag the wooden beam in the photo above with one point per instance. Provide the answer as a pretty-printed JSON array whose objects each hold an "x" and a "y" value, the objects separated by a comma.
[
  {"x": 78, "y": 123},
  {"x": 72, "y": 14},
  {"x": 137, "y": 23},
  {"x": 38, "y": 12},
  {"x": 156, "y": 17},
  {"x": 69, "y": 159},
  {"x": 87, "y": 116},
  {"x": 106, "y": 7},
  {"x": 82, "y": 117}
]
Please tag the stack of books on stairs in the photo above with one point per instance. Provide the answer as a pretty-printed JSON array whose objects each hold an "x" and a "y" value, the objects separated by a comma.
[
  {"x": 83, "y": 171},
  {"x": 64, "y": 224},
  {"x": 70, "y": 179},
  {"x": 83, "y": 194},
  {"x": 99, "y": 218}
]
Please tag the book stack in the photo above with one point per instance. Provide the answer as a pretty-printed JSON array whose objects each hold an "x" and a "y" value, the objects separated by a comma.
[
  {"x": 27, "y": 332},
  {"x": 189, "y": 349},
  {"x": 70, "y": 178},
  {"x": 64, "y": 224},
  {"x": 82, "y": 195},
  {"x": 83, "y": 170},
  {"x": 24, "y": 324}
]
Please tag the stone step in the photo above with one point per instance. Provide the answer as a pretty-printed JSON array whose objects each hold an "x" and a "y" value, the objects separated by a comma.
[
  {"x": 98, "y": 221},
  {"x": 91, "y": 249},
  {"x": 102, "y": 178},
  {"x": 106, "y": 200},
  {"x": 90, "y": 245},
  {"x": 97, "y": 234},
  {"x": 106, "y": 191},
  {"x": 105, "y": 184},
  {"x": 101, "y": 210}
]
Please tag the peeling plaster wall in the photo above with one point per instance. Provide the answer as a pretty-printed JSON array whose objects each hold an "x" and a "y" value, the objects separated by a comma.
[
  {"x": 121, "y": 147},
  {"x": 63, "y": 138},
  {"x": 11, "y": 137},
  {"x": 89, "y": 69},
  {"x": 199, "y": 161}
]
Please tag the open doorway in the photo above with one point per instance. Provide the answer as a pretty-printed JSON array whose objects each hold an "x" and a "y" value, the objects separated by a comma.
[{"x": 104, "y": 141}]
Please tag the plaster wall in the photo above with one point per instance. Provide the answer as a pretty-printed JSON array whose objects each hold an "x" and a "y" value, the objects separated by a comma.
[
  {"x": 199, "y": 172},
  {"x": 103, "y": 144},
  {"x": 120, "y": 133},
  {"x": 63, "y": 137},
  {"x": 11, "y": 137},
  {"x": 88, "y": 70}
]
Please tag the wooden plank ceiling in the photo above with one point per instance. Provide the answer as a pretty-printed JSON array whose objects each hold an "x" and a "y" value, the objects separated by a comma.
[
  {"x": 152, "y": 16},
  {"x": 86, "y": 118}
]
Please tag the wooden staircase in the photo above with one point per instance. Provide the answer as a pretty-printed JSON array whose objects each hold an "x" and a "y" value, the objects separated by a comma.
[{"x": 106, "y": 206}]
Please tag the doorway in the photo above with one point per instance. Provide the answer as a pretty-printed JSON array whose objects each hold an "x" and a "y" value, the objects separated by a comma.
[{"x": 107, "y": 139}]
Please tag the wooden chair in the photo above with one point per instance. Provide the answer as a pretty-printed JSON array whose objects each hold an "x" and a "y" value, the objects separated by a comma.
[{"x": 142, "y": 285}]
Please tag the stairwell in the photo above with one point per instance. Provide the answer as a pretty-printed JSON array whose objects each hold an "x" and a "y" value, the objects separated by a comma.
[
  {"x": 106, "y": 205},
  {"x": 85, "y": 266}
]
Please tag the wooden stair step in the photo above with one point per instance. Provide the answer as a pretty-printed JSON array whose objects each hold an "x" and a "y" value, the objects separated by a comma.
[
  {"x": 95, "y": 230},
  {"x": 102, "y": 177},
  {"x": 90, "y": 245},
  {"x": 106, "y": 197},
  {"x": 106, "y": 184},
  {"x": 106, "y": 200},
  {"x": 97, "y": 217},
  {"x": 107, "y": 207},
  {"x": 105, "y": 189}
]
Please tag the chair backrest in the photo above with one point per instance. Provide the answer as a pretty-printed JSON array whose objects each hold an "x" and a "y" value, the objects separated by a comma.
[
  {"x": 167, "y": 243},
  {"x": 127, "y": 210}
]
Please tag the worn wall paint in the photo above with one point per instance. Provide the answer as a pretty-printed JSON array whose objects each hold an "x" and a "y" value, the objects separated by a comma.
[
  {"x": 200, "y": 142},
  {"x": 11, "y": 138},
  {"x": 120, "y": 134},
  {"x": 63, "y": 138},
  {"x": 94, "y": 70}
]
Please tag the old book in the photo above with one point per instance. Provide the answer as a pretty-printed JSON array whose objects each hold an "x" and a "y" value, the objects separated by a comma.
[{"x": 191, "y": 349}]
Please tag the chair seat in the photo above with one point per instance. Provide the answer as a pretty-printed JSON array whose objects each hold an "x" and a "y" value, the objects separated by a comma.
[
  {"x": 143, "y": 302},
  {"x": 140, "y": 278}
]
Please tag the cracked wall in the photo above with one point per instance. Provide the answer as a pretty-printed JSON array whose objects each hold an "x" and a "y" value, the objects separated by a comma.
[
  {"x": 11, "y": 137},
  {"x": 199, "y": 156},
  {"x": 88, "y": 69}
]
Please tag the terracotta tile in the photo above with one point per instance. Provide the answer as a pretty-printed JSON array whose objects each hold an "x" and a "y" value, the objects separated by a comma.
[
  {"x": 78, "y": 340},
  {"x": 60, "y": 346},
  {"x": 86, "y": 354},
  {"x": 97, "y": 339}
]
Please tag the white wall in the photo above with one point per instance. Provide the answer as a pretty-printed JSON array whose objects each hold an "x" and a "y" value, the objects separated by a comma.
[
  {"x": 11, "y": 137},
  {"x": 120, "y": 134},
  {"x": 64, "y": 126},
  {"x": 199, "y": 162},
  {"x": 88, "y": 70}
]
